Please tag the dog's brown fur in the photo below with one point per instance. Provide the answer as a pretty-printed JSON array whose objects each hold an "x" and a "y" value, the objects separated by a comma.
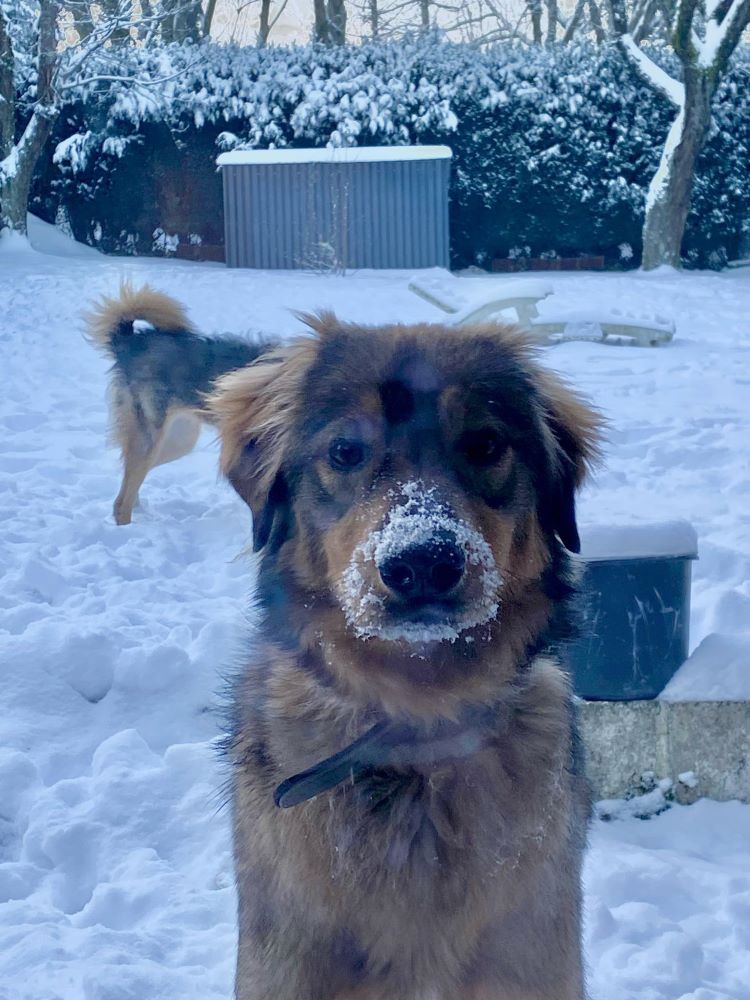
[
  {"x": 453, "y": 873},
  {"x": 159, "y": 378}
]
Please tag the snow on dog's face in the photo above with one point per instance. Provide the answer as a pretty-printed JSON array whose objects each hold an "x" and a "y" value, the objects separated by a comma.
[
  {"x": 415, "y": 481},
  {"x": 424, "y": 575}
]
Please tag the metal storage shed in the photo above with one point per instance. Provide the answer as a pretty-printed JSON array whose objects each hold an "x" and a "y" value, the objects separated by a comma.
[{"x": 369, "y": 206}]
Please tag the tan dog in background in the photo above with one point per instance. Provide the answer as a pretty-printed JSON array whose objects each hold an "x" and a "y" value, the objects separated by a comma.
[
  {"x": 162, "y": 370},
  {"x": 409, "y": 808}
]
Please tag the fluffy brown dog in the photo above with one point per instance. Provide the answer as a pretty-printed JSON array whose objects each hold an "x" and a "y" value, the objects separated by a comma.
[{"x": 409, "y": 812}]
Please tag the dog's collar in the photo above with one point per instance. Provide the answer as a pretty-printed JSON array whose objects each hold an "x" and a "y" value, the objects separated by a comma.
[{"x": 389, "y": 744}]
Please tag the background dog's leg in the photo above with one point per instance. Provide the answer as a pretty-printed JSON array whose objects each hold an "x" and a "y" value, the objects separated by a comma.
[
  {"x": 136, "y": 467},
  {"x": 140, "y": 447},
  {"x": 146, "y": 444}
]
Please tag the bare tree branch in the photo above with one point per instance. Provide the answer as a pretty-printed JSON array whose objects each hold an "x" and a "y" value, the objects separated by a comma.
[
  {"x": 642, "y": 20},
  {"x": 682, "y": 36},
  {"x": 723, "y": 36},
  {"x": 575, "y": 21},
  {"x": 651, "y": 72},
  {"x": 47, "y": 57},
  {"x": 277, "y": 15}
]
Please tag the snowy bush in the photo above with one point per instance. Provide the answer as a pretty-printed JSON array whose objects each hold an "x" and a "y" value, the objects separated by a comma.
[{"x": 553, "y": 148}]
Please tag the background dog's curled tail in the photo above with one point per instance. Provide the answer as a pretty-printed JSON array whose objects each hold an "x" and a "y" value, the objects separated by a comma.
[{"x": 112, "y": 318}]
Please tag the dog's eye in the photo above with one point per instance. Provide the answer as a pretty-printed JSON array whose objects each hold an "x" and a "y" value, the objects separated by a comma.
[
  {"x": 482, "y": 447},
  {"x": 345, "y": 454}
]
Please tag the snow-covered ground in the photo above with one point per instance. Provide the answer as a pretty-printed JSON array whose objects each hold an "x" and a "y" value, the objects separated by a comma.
[{"x": 115, "y": 863}]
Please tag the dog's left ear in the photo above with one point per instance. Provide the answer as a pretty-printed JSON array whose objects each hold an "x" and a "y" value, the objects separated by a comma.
[
  {"x": 256, "y": 409},
  {"x": 574, "y": 433}
]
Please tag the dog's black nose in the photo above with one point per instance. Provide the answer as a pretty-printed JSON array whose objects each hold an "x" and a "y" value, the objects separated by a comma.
[{"x": 425, "y": 571}]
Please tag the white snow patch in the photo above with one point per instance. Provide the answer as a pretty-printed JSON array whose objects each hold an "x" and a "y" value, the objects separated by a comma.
[
  {"x": 13, "y": 245},
  {"x": 667, "y": 904},
  {"x": 718, "y": 670},
  {"x": 415, "y": 521},
  {"x": 164, "y": 242},
  {"x": 688, "y": 778},
  {"x": 115, "y": 856},
  {"x": 643, "y": 806},
  {"x": 74, "y": 151}
]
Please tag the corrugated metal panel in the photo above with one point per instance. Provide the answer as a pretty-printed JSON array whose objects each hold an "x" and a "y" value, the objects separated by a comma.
[{"x": 379, "y": 214}]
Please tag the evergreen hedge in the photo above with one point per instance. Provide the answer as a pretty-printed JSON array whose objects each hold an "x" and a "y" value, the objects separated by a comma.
[{"x": 553, "y": 147}]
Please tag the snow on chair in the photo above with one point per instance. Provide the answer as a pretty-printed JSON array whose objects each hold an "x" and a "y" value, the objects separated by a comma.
[{"x": 449, "y": 293}]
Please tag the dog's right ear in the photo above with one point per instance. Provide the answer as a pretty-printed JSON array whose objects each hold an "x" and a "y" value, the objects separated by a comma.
[{"x": 256, "y": 410}]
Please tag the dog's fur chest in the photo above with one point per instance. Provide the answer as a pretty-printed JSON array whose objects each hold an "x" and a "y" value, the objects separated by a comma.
[{"x": 414, "y": 863}]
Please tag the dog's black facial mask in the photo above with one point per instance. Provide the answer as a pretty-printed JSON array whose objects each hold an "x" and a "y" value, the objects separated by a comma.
[
  {"x": 519, "y": 405},
  {"x": 271, "y": 526}
]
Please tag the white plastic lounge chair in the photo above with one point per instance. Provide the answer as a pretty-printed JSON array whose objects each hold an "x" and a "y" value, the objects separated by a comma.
[
  {"x": 450, "y": 294},
  {"x": 612, "y": 327},
  {"x": 472, "y": 305}
]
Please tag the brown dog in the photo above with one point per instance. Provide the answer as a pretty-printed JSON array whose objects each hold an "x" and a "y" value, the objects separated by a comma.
[
  {"x": 161, "y": 373},
  {"x": 409, "y": 811}
]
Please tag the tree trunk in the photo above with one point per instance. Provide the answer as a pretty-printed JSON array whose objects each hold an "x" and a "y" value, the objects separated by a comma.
[
  {"x": 374, "y": 18},
  {"x": 670, "y": 190},
  {"x": 337, "y": 22},
  {"x": 7, "y": 91},
  {"x": 19, "y": 158},
  {"x": 574, "y": 22},
  {"x": 17, "y": 177},
  {"x": 424, "y": 15},
  {"x": 618, "y": 17},
  {"x": 14, "y": 202},
  {"x": 535, "y": 6},
  {"x": 188, "y": 20},
  {"x": 320, "y": 29},
  {"x": 209, "y": 16},
  {"x": 551, "y": 21},
  {"x": 264, "y": 23},
  {"x": 596, "y": 22},
  {"x": 330, "y": 22}
]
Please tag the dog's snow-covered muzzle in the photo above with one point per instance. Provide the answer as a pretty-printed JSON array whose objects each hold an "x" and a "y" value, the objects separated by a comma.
[{"x": 424, "y": 576}]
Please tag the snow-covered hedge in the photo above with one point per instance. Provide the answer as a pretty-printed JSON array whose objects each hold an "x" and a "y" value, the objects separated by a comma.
[{"x": 553, "y": 148}]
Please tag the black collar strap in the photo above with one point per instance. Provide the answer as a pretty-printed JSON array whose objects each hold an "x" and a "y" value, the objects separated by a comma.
[{"x": 388, "y": 744}]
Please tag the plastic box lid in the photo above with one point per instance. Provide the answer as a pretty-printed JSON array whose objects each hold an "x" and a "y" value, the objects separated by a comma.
[{"x": 644, "y": 540}]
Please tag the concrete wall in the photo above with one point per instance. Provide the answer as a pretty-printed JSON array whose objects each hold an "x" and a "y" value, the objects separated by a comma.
[{"x": 624, "y": 740}]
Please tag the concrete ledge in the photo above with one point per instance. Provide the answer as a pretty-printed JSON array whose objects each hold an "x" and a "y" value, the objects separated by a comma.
[{"x": 626, "y": 739}]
